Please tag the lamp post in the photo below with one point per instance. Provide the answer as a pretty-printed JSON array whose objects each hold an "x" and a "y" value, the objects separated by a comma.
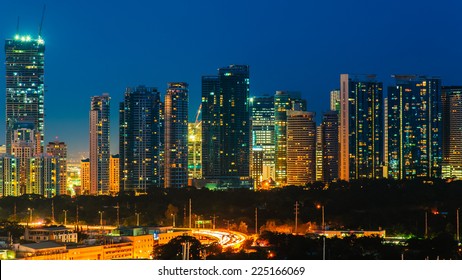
[
  {"x": 323, "y": 225},
  {"x": 101, "y": 219},
  {"x": 30, "y": 214},
  {"x": 173, "y": 219},
  {"x": 457, "y": 225},
  {"x": 137, "y": 219},
  {"x": 65, "y": 217}
]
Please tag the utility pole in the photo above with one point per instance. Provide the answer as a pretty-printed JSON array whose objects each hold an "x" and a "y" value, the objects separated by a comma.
[
  {"x": 190, "y": 213},
  {"x": 457, "y": 225},
  {"x": 296, "y": 217},
  {"x": 101, "y": 219},
  {"x": 323, "y": 225},
  {"x": 256, "y": 220},
  {"x": 213, "y": 225},
  {"x": 52, "y": 212},
  {"x": 137, "y": 219},
  {"x": 426, "y": 224},
  {"x": 173, "y": 219},
  {"x": 77, "y": 214},
  {"x": 65, "y": 217},
  {"x": 14, "y": 211},
  {"x": 30, "y": 214},
  {"x": 118, "y": 217}
]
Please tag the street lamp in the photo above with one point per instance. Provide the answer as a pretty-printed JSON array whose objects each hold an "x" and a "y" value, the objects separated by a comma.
[
  {"x": 101, "y": 218},
  {"x": 137, "y": 219},
  {"x": 457, "y": 225},
  {"x": 319, "y": 206},
  {"x": 30, "y": 214},
  {"x": 65, "y": 217},
  {"x": 173, "y": 219}
]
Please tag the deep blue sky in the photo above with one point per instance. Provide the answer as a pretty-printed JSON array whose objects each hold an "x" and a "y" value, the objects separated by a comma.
[{"x": 104, "y": 46}]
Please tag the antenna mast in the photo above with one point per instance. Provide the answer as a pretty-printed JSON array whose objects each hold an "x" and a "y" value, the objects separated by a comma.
[{"x": 41, "y": 21}]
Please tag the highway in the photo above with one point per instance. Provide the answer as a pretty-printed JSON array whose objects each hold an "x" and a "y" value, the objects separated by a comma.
[{"x": 226, "y": 238}]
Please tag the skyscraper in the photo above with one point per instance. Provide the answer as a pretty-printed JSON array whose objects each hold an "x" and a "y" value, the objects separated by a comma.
[
  {"x": 176, "y": 135},
  {"x": 452, "y": 131},
  {"x": 25, "y": 89},
  {"x": 235, "y": 120},
  {"x": 414, "y": 120},
  {"x": 85, "y": 176},
  {"x": 140, "y": 139},
  {"x": 361, "y": 127},
  {"x": 9, "y": 176},
  {"x": 59, "y": 150},
  {"x": 284, "y": 101},
  {"x": 263, "y": 136},
  {"x": 319, "y": 150},
  {"x": 114, "y": 174},
  {"x": 330, "y": 146},
  {"x": 211, "y": 139},
  {"x": 335, "y": 100},
  {"x": 194, "y": 151},
  {"x": 226, "y": 126},
  {"x": 301, "y": 148},
  {"x": 23, "y": 147},
  {"x": 44, "y": 175},
  {"x": 99, "y": 144}
]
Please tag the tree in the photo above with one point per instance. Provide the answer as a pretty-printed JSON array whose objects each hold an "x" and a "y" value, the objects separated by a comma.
[{"x": 173, "y": 250}]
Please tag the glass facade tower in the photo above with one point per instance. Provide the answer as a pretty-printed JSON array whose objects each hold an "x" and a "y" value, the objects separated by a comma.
[
  {"x": 414, "y": 120},
  {"x": 139, "y": 139},
  {"x": 25, "y": 89},
  {"x": 361, "y": 127},
  {"x": 176, "y": 135}
]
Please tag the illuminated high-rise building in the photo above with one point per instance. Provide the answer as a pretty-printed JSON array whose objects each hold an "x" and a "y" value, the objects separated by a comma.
[
  {"x": 85, "y": 176},
  {"x": 283, "y": 102},
  {"x": 330, "y": 146},
  {"x": 59, "y": 149},
  {"x": 194, "y": 151},
  {"x": 335, "y": 100},
  {"x": 23, "y": 147},
  {"x": 211, "y": 121},
  {"x": 301, "y": 148},
  {"x": 414, "y": 127},
  {"x": 226, "y": 127},
  {"x": 114, "y": 174},
  {"x": 140, "y": 139},
  {"x": 176, "y": 135},
  {"x": 361, "y": 127},
  {"x": 9, "y": 176},
  {"x": 263, "y": 138},
  {"x": 25, "y": 89},
  {"x": 99, "y": 144},
  {"x": 452, "y": 132},
  {"x": 44, "y": 175},
  {"x": 319, "y": 153}
]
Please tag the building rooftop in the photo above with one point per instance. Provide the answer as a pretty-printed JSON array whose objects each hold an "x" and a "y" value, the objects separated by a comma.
[{"x": 43, "y": 245}]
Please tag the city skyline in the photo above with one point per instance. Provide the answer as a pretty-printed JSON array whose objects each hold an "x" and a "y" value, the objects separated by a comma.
[{"x": 305, "y": 56}]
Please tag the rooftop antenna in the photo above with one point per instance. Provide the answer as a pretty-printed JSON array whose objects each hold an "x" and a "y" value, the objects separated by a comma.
[{"x": 41, "y": 21}]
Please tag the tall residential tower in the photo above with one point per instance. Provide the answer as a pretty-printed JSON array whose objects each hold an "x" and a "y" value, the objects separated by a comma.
[
  {"x": 99, "y": 145},
  {"x": 176, "y": 135},
  {"x": 414, "y": 127},
  {"x": 139, "y": 139},
  {"x": 25, "y": 89},
  {"x": 361, "y": 127},
  {"x": 226, "y": 127}
]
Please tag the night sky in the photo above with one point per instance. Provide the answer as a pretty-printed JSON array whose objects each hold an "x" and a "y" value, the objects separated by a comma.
[{"x": 105, "y": 46}]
